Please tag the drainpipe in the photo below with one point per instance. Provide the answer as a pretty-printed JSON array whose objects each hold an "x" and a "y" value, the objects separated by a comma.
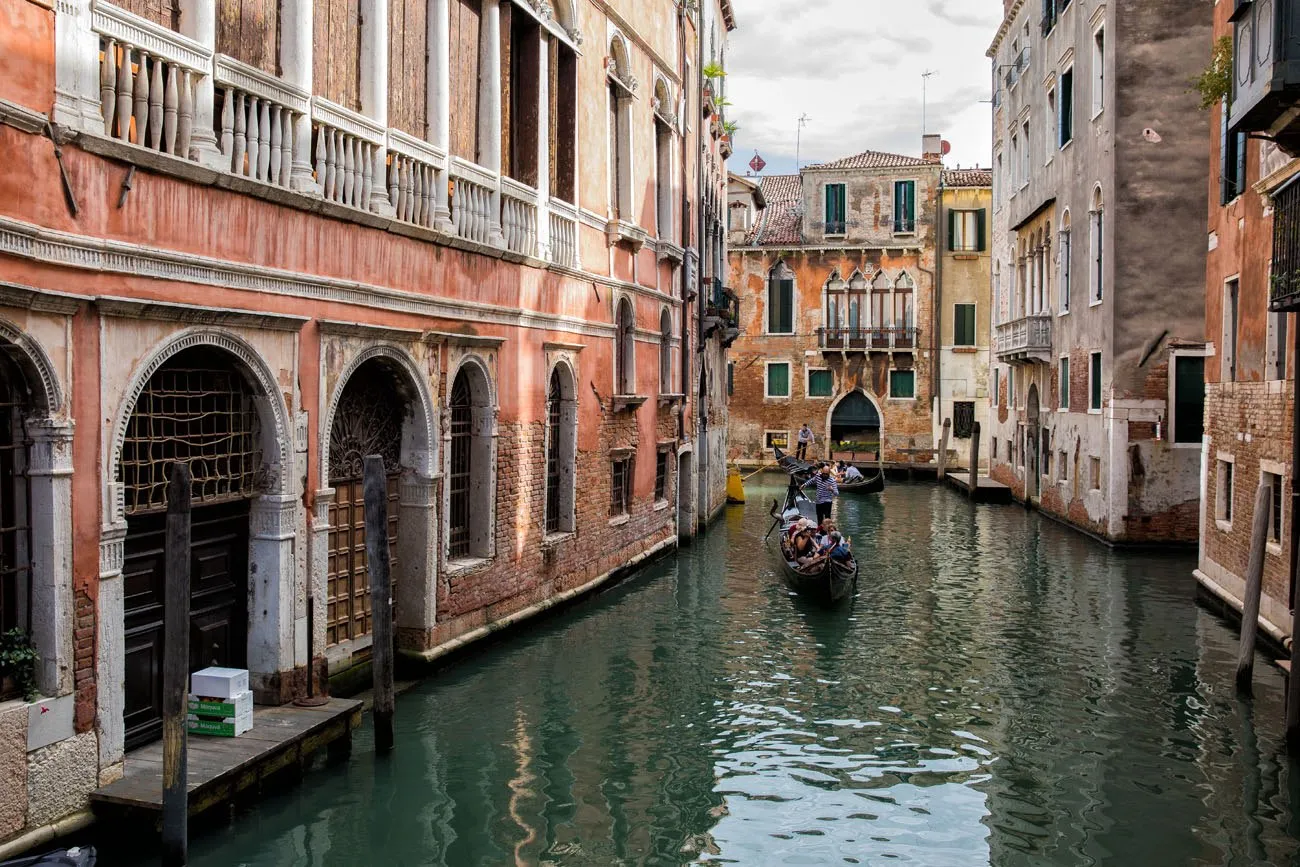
[
  {"x": 936, "y": 313},
  {"x": 685, "y": 359},
  {"x": 701, "y": 458}
]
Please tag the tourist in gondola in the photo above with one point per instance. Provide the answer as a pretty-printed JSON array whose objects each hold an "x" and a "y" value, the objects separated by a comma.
[
  {"x": 827, "y": 490},
  {"x": 851, "y": 473}
]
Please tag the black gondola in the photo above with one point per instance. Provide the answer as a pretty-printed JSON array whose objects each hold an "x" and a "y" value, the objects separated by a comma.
[
  {"x": 829, "y": 582},
  {"x": 872, "y": 483}
]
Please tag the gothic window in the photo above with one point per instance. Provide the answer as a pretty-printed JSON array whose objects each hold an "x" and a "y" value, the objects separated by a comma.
[
  {"x": 625, "y": 361},
  {"x": 561, "y": 440},
  {"x": 666, "y": 353},
  {"x": 469, "y": 480}
]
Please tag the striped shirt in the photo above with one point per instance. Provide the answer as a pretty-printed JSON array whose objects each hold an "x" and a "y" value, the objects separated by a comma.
[{"x": 827, "y": 488}]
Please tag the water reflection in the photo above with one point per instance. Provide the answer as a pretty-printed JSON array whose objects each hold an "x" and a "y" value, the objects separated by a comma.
[{"x": 1001, "y": 691}]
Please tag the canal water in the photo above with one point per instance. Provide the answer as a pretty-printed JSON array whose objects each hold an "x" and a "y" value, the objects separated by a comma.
[{"x": 1001, "y": 691}]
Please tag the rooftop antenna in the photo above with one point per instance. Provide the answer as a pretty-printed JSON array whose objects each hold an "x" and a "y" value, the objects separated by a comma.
[
  {"x": 798, "y": 140},
  {"x": 925, "y": 81}
]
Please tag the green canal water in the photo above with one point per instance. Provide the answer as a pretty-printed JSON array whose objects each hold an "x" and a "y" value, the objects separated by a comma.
[{"x": 1002, "y": 691}]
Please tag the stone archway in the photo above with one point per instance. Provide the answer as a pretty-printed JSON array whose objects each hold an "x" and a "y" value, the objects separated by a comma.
[
  {"x": 1033, "y": 473},
  {"x": 471, "y": 464},
  {"x": 561, "y": 449},
  {"x": 855, "y": 417}
]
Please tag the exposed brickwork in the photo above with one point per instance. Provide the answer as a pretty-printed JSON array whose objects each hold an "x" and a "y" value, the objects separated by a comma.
[{"x": 83, "y": 665}]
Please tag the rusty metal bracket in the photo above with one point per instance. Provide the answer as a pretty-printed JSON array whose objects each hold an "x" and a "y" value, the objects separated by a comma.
[
  {"x": 68, "y": 195},
  {"x": 126, "y": 186}
]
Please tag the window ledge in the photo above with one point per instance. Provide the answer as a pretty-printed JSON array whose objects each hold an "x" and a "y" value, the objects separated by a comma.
[
  {"x": 966, "y": 255},
  {"x": 1060, "y": 313},
  {"x": 620, "y": 520},
  {"x": 966, "y": 350},
  {"x": 1067, "y": 144},
  {"x": 668, "y": 251},
  {"x": 553, "y": 540},
  {"x": 902, "y": 399},
  {"x": 1274, "y": 548},
  {"x": 1096, "y": 302},
  {"x": 619, "y": 231},
  {"x": 465, "y": 565},
  {"x": 671, "y": 399},
  {"x": 776, "y": 397},
  {"x": 628, "y": 401},
  {"x": 660, "y": 505},
  {"x": 1224, "y": 526}
]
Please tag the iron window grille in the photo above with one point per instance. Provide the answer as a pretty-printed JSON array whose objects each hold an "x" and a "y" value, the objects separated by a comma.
[
  {"x": 553, "y": 457},
  {"x": 963, "y": 419},
  {"x": 661, "y": 476},
  {"x": 620, "y": 486},
  {"x": 201, "y": 416},
  {"x": 1284, "y": 294},
  {"x": 458, "y": 482},
  {"x": 15, "y": 506}
]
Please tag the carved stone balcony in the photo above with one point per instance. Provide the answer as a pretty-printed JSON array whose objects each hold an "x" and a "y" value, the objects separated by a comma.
[
  {"x": 1026, "y": 340},
  {"x": 884, "y": 338}
]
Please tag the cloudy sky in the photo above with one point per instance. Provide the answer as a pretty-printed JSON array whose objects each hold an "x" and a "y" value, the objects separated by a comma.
[{"x": 854, "y": 67}]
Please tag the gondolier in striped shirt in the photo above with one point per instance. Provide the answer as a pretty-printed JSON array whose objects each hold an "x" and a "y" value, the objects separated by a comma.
[{"x": 827, "y": 490}]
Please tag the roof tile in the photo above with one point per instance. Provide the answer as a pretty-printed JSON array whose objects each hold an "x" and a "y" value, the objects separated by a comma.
[
  {"x": 873, "y": 160},
  {"x": 968, "y": 178}
]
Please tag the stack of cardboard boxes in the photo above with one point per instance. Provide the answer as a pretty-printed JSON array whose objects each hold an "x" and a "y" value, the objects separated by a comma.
[{"x": 221, "y": 703}]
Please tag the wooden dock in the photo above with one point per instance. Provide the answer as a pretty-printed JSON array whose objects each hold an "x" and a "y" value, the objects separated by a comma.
[
  {"x": 988, "y": 491},
  {"x": 221, "y": 768}
]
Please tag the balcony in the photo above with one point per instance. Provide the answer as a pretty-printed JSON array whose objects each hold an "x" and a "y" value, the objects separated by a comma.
[
  {"x": 1027, "y": 339},
  {"x": 1266, "y": 74},
  {"x": 721, "y": 312},
  {"x": 1284, "y": 293},
  {"x": 881, "y": 339}
]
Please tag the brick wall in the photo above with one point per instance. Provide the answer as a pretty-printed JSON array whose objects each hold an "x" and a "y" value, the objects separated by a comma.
[{"x": 83, "y": 661}]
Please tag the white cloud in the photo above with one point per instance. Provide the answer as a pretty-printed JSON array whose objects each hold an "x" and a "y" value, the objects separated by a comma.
[{"x": 854, "y": 66}]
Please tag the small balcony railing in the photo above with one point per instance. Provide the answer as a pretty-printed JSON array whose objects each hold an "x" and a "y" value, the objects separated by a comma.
[
  {"x": 1028, "y": 338},
  {"x": 883, "y": 338},
  {"x": 1284, "y": 293}
]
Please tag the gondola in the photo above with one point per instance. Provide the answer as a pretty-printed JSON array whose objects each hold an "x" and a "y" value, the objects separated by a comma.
[
  {"x": 827, "y": 584},
  {"x": 872, "y": 483}
]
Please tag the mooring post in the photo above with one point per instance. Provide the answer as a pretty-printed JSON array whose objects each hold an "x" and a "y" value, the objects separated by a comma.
[
  {"x": 381, "y": 599},
  {"x": 943, "y": 448},
  {"x": 974, "y": 461},
  {"x": 1254, "y": 584},
  {"x": 176, "y": 665}
]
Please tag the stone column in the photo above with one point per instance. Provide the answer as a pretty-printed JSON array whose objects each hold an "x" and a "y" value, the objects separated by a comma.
[
  {"x": 489, "y": 119},
  {"x": 295, "y": 63},
  {"x": 438, "y": 105},
  {"x": 76, "y": 68},
  {"x": 544, "y": 144},
  {"x": 110, "y": 658},
  {"x": 417, "y": 555},
  {"x": 270, "y": 595},
  {"x": 374, "y": 93},
  {"x": 50, "y": 517},
  {"x": 199, "y": 22}
]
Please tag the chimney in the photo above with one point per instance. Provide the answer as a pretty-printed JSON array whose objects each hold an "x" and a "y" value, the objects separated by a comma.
[{"x": 932, "y": 148}]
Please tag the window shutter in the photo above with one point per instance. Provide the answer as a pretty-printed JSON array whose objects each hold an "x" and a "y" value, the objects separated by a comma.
[
  {"x": 1240, "y": 186},
  {"x": 909, "y": 190},
  {"x": 980, "y": 229},
  {"x": 787, "y": 306},
  {"x": 952, "y": 230},
  {"x": 830, "y": 204},
  {"x": 1224, "y": 185}
]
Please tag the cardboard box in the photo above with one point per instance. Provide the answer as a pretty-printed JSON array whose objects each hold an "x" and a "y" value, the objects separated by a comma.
[
  {"x": 240, "y": 705},
  {"x": 228, "y": 727},
  {"x": 219, "y": 683}
]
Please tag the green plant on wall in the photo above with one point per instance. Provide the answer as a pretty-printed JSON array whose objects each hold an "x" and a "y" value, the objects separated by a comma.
[
  {"x": 731, "y": 127},
  {"x": 1215, "y": 83},
  {"x": 713, "y": 70},
  {"x": 18, "y": 661}
]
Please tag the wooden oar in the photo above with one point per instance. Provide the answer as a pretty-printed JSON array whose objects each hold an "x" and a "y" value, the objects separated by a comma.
[{"x": 760, "y": 470}]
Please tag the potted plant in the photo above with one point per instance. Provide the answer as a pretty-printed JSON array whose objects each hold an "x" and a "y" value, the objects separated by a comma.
[{"x": 18, "y": 665}]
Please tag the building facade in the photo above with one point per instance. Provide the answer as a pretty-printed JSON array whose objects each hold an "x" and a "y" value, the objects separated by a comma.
[
  {"x": 963, "y": 301},
  {"x": 1250, "y": 297},
  {"x": 269, "y": 239},
  {"x": 835, "y": 278},
  {"x": 1098, "y": 250}
]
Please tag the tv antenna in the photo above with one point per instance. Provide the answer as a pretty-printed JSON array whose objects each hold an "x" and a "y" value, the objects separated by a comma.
[
  {"x": 925, "y": 82},
  {"x": 798, "y": 139}
]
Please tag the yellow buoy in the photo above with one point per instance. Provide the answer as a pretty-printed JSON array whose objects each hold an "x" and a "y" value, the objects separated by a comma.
[{"x": 735, "y": 487}]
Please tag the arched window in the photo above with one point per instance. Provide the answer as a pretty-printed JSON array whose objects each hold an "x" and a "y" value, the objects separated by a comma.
[
  {"x": 620, "y": 131},
  {"x": 881, "y": 287},
  {"x": 561, "y": 443},
  {"x": 625, "y": 361},
  {"x": 904, "y": 311},
  {"x": 1096, "y": 237},
  {"x": 857, "y": 302},
  {"x": 469, "y": 480},
  {"x": 780, "y": 300},
  {"x": 1064, "y": 251},
  {"x": 834, "y": 305},
  {"x": 997, "y": 292},
  {"x": 15, "y": 536},
  {"x": 663, "y": 115},
  {"x": 666, "y": 353}
]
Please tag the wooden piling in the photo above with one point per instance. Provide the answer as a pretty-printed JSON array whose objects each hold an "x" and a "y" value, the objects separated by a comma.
[
  {"x": 974, "y": 463},
  {"x": 176, "y": 673},
  {"x": 943, "y": 449},
  {"x": 1254, "y": 583},
  {"x": 381, "y": 599}
]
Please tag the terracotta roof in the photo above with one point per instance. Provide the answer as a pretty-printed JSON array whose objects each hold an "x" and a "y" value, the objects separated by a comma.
[
  {"x": 968, "y": 178},
  {"x": 779, "y": 222},
  {"x": 873, "y": 160},
  {"x": 782, "y": 188}
]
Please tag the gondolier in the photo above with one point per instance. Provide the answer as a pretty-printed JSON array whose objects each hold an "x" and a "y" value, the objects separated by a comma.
[
  {"x": 827, "y": 490},
  {"x": 806, "y": 439}
]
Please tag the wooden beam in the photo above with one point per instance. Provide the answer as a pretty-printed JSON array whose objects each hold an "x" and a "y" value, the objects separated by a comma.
[
  {"x": 1254, "y": 584},
  {"x": 176, "y": 673},
  {"x": 381, "y": 599}
]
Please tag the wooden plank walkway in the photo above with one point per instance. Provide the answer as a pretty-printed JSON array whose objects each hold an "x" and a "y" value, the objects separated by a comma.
[
  {"x": 988, "y": 491},
  {"x": 220, "y": 768}
]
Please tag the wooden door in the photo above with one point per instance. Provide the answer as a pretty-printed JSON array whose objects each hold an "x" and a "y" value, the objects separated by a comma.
[
  {"x": 218, "y": 605},
  {"x": 348, "y": 614}
]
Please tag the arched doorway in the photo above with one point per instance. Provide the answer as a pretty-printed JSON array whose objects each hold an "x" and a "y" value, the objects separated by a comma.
[
  {"x": 1033, "y": 474},
  {"x": 15, "y": 505},
  {"x": 374, "y": 409},
  {"x": 198, "y": 407},
  {"x": 856, "y": 419},
  {"x": 470, "y": 474}
]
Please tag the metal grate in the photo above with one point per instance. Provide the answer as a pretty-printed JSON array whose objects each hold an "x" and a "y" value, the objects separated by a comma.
[
  {"x": 661, "y": 476},
  {"x": 620, "y": 486},
  {"x": 462, "y": 432},
  {"x": 553, "y": 457},
  {"x": 15, "y": 505},
  {"x": 1285, "y": 291},
  {"x": 203, "y": 416},
  {"x": 963, "y": 419}
]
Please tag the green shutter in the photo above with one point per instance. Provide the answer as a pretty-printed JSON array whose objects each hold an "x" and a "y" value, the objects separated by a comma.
[
  {"x": 1064, "y": 376},
  {"x": 981, "y": 221},
  {"x": 952, "y": 230},
  {"x": 820, "y": 383},
  {"x": 787, "y": 306},
  {"x": 1096, "y": 381},
  {"x": 964, "y": 325},
  {"x": 778, "y": 380}
]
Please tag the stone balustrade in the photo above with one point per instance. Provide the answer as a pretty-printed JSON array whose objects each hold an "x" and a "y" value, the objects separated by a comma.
[
  {"x": 471, "y": 201},
  {"x": 344, "y": 150},
  {"x": 519, "y": 217},
  {"x": 255, "y": 123},
  {"x": 416, "y": 179},
  {"x": 147, "y": 81},
  {"x": 564, "y": 234}
]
